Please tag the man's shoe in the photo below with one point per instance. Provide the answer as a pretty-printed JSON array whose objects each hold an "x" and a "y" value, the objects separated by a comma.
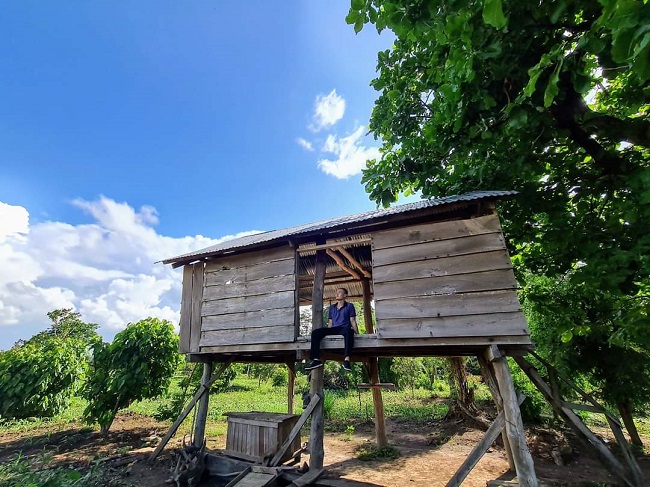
[
  {"x": 346, "y": 366},
  {"x": 314, "y": 364}
]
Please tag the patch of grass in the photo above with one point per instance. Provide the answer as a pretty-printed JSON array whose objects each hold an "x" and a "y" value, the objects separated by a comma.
[
  {"x": 72, "y": 414},
  {"x": 369, "y": 451},
  {"x": 18, "y": 473}
]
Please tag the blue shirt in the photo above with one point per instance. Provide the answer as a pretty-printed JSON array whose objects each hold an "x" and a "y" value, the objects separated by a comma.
[{"x": 341, "y": 317}]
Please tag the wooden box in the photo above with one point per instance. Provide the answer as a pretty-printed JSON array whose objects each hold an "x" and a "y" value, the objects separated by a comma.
[{"x": 253, "y": 435}]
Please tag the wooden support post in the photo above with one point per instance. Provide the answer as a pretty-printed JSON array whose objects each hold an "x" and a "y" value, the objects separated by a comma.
[
  {"x": 490, "y": 380},
  {"x": 295, "y": 431},
  {"x": 479, "y": 450},
  {"x": 202, "y": 412},
  {"x": 524, "y": 465},
  {"x": 373, "y": 371},
  {"x": 577, "y": 425},
  {"x": 291, "y": 384},
  {"x": 377, "y": 402},
  {"x": 316, "y": 450},
  {"x": 181, "y": 417}
]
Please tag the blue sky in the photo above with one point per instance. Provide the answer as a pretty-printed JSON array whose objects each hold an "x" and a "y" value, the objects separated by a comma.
[{"x": 133, "y": 132}]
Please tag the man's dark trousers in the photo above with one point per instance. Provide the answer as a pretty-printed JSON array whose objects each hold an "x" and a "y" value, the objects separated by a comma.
[{"x": 318, "y": 334}]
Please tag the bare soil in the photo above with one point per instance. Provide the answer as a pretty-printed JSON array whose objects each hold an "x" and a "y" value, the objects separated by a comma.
[{"x": 429, "y": 453}]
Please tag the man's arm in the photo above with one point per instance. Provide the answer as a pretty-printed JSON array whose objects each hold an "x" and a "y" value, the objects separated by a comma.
[
  {"x": 329, "y": 323},
  {"x": 353, "y": 322}
]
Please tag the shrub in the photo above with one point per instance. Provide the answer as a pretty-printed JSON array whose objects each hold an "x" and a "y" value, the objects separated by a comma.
[
  {"x": 137, "y": 365},
  {"x": 280, "y": 377},
  {"x": 38, "y": 378}
]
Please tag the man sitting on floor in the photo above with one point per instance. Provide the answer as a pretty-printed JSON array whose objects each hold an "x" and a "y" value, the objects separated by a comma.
[{"x": 341, "y": 321}]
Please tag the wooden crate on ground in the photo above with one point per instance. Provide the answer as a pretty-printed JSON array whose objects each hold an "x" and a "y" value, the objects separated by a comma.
[{"x": 253, "y": 435}]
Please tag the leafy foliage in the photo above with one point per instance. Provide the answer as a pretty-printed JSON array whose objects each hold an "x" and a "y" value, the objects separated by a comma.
[
  {"x": 39, "y": 376},
  {"x": 585, "y": 318},
  {"x": 551, "y": 99},
  {"x": 137, "y": 365}
]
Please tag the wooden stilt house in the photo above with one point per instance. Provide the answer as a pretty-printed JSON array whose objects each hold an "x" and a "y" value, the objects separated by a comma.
[
  {"x": 437, "y": 273},
  {"x": 437, "y": 270}
]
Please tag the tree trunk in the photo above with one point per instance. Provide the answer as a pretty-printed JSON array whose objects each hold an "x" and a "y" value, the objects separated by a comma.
[
  {"x": 461, "y": 392},
  {"x": 625, "y": 409}
]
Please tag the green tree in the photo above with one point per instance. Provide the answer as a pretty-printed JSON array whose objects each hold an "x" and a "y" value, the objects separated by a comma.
[
  {"x": 618, "y": 375},
  {"x": 549, "y": 98},
  {"x": 38, "y": 377},
  {"x": 137, "y": 365},
  {"x": 409, "y": 372}
]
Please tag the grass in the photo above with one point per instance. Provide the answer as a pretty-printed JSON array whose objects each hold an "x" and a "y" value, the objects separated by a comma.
[
  {"x": 343, "y": 408},
  {"x": 368, "y": 451}
]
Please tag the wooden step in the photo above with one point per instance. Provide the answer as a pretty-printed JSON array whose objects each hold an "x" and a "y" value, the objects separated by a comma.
[{"x": 255, "y": 476}]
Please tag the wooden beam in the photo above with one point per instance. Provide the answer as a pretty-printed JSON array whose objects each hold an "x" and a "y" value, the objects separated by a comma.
[
  {"x": 339, "y": 261},
  {"x": 354, "y": 262},
  {"x": 490, "y": 380},
  {"x": 343, "y": 243},
  {"x": 291, "y": 382},
  {"x": 199, "y": 393},
  {"x": 315, "y": 400},
  {"x": 524, "y": 465},
  {"x": 316, "y": 450},
  {"x": 202, "y": 412},
  {"x": 367, "y": 309},
  {"x": 377, "y": 402},
  {"x": 574, "y": 421},
  {"x": 197, "y": 303},
  {"x": 308, "y": 478},
  {"x": 479, "y": 450}
]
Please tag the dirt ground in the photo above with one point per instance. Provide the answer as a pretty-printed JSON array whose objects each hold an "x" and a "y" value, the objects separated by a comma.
[{"x": 429, "y": 454}]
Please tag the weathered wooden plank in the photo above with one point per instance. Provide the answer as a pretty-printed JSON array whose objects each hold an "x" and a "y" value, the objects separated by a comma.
[
  {"x": 250, "y": 288},
  {"x": 197, "y": 302},
  {"x": 252, "y": 319},
  {"x": 240, "y": 336},
  {"x": 203, "y": 388},
  {"x": 282, "y": 299},
  {"x": 219, "y": 276},
  {"x": 442, "y": 346},
  {"x": 447, "y": 305},
  {"x": 514, "y": 426},
  {"x": 440, "y": 248},
  {"x": 429, "y": 232},
  {"x": 454, "y": 326},
  {"x": 478, "y": 451},
  {"x": 444, "y": 266},
  {"x": 445, "y": 285},
  {"x": 251, "y": 258},
  {"x": 295, "y": 432},
  {"x": 186, "y": 311}
]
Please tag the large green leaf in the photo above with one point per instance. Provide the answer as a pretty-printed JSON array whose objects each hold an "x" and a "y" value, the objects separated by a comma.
[{"x": 493, "y": 14}]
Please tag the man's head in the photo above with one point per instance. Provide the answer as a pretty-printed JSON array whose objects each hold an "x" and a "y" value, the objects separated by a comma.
[{"x": 341, "y": 293}]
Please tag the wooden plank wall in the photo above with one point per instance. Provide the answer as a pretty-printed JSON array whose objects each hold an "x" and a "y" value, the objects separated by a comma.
[
  {"x": 250, "y": 298},
  {"x": 190, "y": 323},
  {"x": 447, "y": 279}
]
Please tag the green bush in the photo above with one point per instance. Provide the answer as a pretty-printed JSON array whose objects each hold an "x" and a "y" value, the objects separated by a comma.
[
  {"x": 138, "y": 364},
  {"x": 38, "y": 378},
  {"x": 280, "y": 377}
]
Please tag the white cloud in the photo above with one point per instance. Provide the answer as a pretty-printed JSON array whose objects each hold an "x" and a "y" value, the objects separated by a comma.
[
  {"x": 328, "y": 109},
  {"x": 14, "y": 221},
  {"x": 351, "y": 155},
  {"x": 305, "y": 144},
  {"x": 105, "y": 269}
]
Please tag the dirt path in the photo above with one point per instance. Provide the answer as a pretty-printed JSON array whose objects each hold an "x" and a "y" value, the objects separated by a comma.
[{"x": 429, "y": 454}]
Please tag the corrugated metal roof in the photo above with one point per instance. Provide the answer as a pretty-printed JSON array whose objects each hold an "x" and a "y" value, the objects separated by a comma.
[{"x": 267, "y": 237}]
